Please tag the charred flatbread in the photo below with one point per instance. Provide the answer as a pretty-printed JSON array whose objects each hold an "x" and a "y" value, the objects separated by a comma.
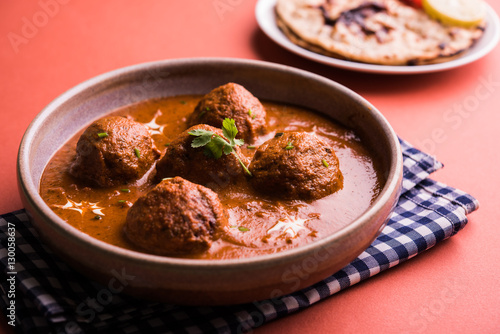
[{"x": 386, "y": 32}]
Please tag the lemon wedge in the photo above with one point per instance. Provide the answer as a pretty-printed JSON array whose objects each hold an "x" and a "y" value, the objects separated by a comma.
[{"x": 463, "y": 13}]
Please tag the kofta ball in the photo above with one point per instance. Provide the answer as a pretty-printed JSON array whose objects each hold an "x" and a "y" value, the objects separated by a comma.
[
  {"x": 112, "y": 151},
  {"x": 198, "y": 165},
  {"x": 174, "y": 218},
  {"x": 296, "y": 165},
  {"x": 231, "y": 101}
]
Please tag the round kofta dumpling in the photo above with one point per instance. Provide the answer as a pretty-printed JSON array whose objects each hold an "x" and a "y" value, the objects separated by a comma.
[
  {"x": 297, "y": 166},
  {"x": 198, "y": 165},
  {"x": 112, "y": 151},
  {"x": 231, "y": 101},
  {"x": 176, "y": 217}
]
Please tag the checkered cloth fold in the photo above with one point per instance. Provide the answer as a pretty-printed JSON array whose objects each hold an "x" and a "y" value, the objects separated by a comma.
[{"x": 51, "y": 297}]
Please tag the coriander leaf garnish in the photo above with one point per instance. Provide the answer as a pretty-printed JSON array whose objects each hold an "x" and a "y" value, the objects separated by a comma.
[
  {"x": 202, "y": 137},
  {"x": 230, "y": 131},
  {"x": 289, "y": 146},
  {"x": 251, "y": 114},
  {"x": 102, "y": 134},
  {"x": 216, "y": 145},
  {"x": 137, "y": 152},
  {"x": 240, "y": 228}
]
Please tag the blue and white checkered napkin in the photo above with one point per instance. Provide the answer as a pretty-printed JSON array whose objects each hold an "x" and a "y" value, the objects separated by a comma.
[{"x": 51, "y": 297}]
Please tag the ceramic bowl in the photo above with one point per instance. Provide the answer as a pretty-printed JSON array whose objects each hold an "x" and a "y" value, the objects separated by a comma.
[{"x": 205, "y": 282}]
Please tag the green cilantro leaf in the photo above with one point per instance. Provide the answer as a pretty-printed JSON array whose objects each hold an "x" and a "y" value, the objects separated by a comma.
[
  {"x": 229, "y": 130},
  {"x": 215, "y": 148},
  {"x": 227, "y": 149},
  {"x": 202, "y": 137},
  {"x": 215, "y": 145}
]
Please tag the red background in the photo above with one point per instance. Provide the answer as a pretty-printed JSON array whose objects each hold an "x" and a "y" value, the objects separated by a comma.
[{"x": 451, "y": 288}]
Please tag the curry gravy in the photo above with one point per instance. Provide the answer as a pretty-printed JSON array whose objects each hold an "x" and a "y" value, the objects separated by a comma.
[{"x": 257, "y": 224}]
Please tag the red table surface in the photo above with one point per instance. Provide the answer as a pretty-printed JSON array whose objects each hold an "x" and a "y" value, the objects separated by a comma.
[{"x": 48, "y": 46}]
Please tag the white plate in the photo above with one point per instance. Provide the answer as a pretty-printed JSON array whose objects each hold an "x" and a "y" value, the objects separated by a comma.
[{"x": 264, "y": 12}]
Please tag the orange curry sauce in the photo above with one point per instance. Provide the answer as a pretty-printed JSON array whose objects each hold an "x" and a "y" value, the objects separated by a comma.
[{"x": 257, "y": 224}]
